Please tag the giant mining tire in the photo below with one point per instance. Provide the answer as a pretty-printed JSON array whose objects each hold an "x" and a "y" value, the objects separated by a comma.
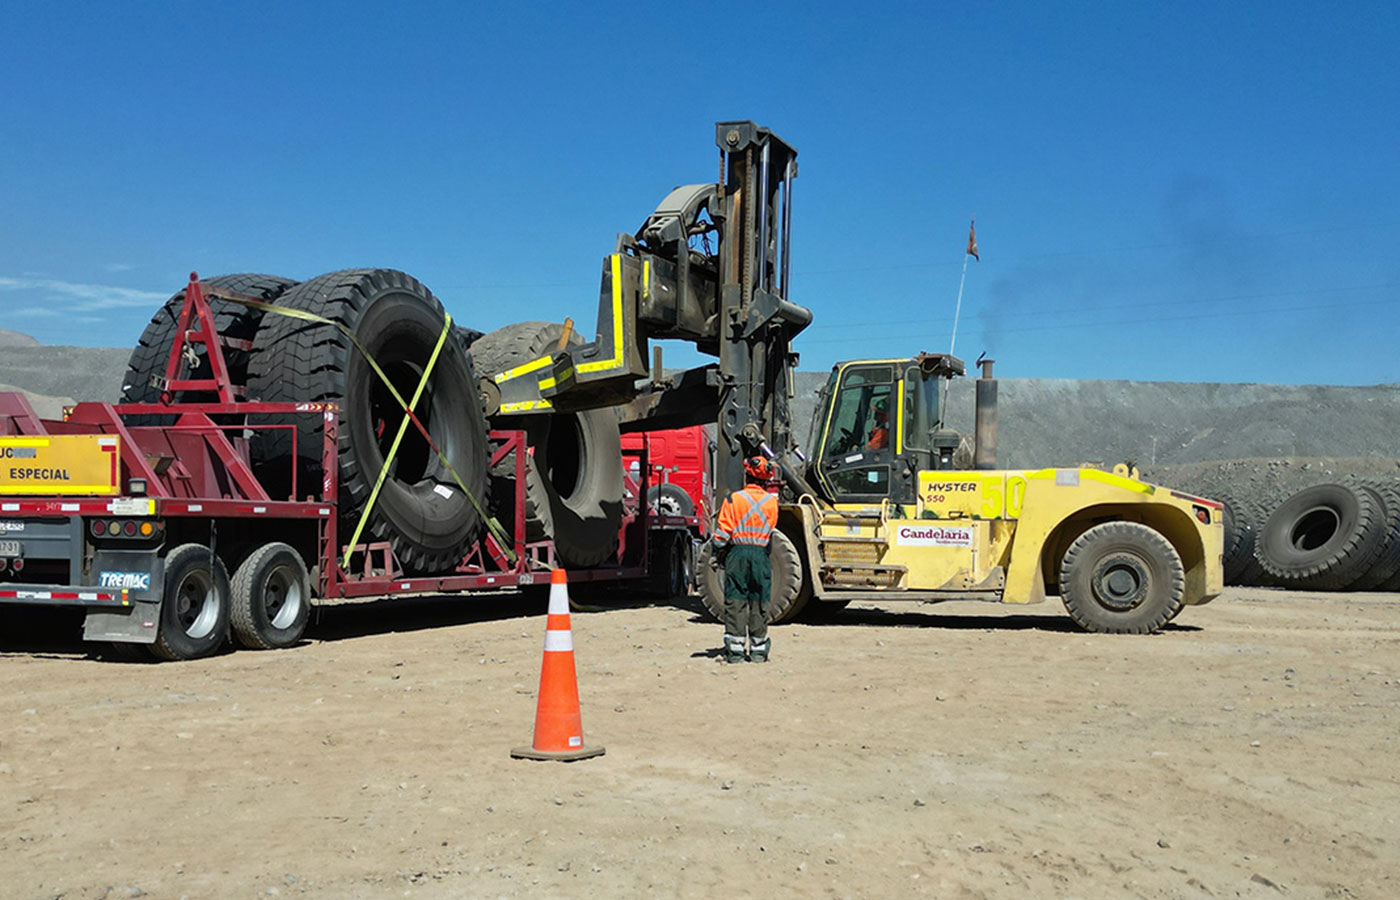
[
  {"x": 233, "y": 320},
  {"x": 420, "y": 509},
  {"x": 1322, "y": 537},
  {"x": 786, "y": 597},
  {"x": 1121, "y": 578},
  {"x": 573, "y": 474},
  {"x": 1387, "y": 561}
]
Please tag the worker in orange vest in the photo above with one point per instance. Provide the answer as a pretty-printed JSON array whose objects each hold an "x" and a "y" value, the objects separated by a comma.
[
  {"x": 742, "y": 534},
  {"x": 880, "y": 434}
]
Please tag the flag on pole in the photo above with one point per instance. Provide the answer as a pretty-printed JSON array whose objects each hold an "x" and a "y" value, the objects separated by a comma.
[{"x": 972, "y": 240}]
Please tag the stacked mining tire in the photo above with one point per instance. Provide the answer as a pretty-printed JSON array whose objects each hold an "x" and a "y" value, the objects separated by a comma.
[
  {"x": 420, "y": 510},
  {"x": 1325, "y": 537},
  {"x": 573, "y": 471},
  {"x": 234, "y": 320}
]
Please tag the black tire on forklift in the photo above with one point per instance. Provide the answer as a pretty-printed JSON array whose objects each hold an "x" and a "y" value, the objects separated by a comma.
[
  {"x": 271, "y": 598},
  {"x": 234, "y": 321},
  {"x": 420, "y": 509},
  {"x": 1323, "y": 537},
  {"x": 194, "y": 609},
  {"x": 786, "y": 598},
  {"x": 1121, "y": 578},
  {"x": 573, "y": 475}
]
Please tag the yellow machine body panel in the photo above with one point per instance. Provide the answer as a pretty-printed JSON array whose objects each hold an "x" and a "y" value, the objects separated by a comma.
[
  {"x": 1006, "y": 530},
  {"x": 66, "y": 464}
]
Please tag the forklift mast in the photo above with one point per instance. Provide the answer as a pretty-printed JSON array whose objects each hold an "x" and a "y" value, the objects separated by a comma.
[{"x": 711, "y": 265}]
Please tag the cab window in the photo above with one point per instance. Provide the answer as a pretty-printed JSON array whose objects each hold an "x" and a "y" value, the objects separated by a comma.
[{"x": 861, "y": 418}]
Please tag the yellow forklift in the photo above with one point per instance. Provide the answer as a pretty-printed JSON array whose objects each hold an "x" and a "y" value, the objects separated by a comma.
[{"x": 886, "y": 506}]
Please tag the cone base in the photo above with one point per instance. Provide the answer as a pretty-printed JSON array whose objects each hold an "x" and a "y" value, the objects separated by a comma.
[{"x": 564, "y": 755}]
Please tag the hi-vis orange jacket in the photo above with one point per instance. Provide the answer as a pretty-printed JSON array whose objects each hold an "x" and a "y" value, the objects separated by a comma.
[{"x": 748, "y": 517}]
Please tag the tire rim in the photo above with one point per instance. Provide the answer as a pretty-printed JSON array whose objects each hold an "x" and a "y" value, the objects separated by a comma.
[
  {"x": 1121, "y": 582},
  {"x": 196, "y": 605},
  {"x": 282, "y": 597}
]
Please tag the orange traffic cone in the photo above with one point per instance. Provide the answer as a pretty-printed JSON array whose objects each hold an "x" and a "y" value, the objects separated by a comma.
[{"x": 558, "y": 723}]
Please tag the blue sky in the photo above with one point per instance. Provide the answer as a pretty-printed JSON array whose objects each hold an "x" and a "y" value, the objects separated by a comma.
[{"x": 1189, "y": 192}]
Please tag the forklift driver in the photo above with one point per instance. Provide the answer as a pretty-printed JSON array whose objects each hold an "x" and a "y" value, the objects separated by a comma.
[{"x": 880, "y": 434}]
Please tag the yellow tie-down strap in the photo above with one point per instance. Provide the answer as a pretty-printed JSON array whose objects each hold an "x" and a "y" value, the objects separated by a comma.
[
  {"x": 67, "y": 464},
  {"x": 408, "y": 418}
]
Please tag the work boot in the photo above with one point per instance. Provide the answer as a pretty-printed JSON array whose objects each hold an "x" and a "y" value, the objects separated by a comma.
[
  {"x": 733, "y": 649},
  {"x": 758, "y": 650}
]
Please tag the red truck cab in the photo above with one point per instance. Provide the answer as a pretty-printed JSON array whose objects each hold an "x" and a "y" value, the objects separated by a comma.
[{"x": 681, "y": 465}]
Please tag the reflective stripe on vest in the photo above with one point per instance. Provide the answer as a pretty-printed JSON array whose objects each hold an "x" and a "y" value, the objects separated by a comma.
[{"x": 753, "y": 528}]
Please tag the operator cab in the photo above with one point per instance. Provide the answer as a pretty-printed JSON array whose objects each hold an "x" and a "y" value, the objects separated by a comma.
[{"x": 878, "y": 425}]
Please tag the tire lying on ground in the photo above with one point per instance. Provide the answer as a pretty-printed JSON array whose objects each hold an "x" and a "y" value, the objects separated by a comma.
[
  {"x": 573, "y": 474},
  {"x": 420, "y": 510},
  {"x": 233, "y": 320},
  {"x": 1387, "y": 561},
  {"x": 786, "y": 596},
  {"x": 1323, "y": 537}
]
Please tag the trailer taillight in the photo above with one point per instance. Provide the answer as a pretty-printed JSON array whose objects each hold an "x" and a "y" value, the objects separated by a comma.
[
  {"x": 126, "y": 528},
  {"x": 1202, "y": 514}
]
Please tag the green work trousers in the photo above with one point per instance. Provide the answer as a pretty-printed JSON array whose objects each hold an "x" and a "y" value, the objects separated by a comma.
[{"x": 748, "y": 577}]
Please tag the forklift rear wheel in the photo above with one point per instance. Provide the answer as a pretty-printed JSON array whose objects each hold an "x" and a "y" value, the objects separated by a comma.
[
  {"x": 194, "y": 611},
  {"x": 271, "y": 598},
  {"x": 1121, "y": 578}
]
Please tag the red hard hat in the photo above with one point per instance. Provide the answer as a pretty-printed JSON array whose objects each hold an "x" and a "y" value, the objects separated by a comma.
[{"x": 760, "y": 467}]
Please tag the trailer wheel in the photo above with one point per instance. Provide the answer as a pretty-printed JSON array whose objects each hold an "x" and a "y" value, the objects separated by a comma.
[
  {"x": 786, "y": 597},
  {"x": 670, "y": 500},
  {"x": 271, "y": 598},
  {"x": 1121, "y": 578},
  {"x": 573, "y": 476},
  {"x": 419, "y": 510},
  {"x": 234, "y": 321},
  {"x": 194, "y": 609},
  {"x": 1323, "y": 537}
]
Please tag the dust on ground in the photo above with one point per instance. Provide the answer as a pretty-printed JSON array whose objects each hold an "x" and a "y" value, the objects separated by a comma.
[{"x": 959, "y": 750}]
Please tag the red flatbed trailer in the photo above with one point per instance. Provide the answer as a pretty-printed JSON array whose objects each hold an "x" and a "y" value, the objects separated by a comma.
[{"x": 190, "y": 482}]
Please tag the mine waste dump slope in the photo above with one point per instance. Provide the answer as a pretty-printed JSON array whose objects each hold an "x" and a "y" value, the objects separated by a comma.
[{"x": 1309, "y": 474}]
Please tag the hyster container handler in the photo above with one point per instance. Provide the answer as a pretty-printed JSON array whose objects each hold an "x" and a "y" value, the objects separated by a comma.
[{"x": 898, "y": 515}]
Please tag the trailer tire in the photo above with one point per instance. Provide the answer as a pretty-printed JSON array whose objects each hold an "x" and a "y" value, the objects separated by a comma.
[
  {"x": 234, "y": 321},
  {"x": 786, "y": 597},
  {"x": 1322, "y": 537},
  {"x": 670, "y": 500},
  {"x": 194, "y": 611},
  {"x": 1121, "y": 578},
  {"x": 420, "y": 510},
  {"x": 271, "y": 598},
  {"x": 573, "y": 474}
]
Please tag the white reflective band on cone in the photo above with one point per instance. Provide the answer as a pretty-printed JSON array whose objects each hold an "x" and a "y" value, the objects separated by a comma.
[
  {"x": 558, "y": 640},
  {"x": 558, "y": 599}
]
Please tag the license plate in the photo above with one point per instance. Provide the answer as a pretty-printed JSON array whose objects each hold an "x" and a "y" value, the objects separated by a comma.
[{"x": 10, "y": 548}]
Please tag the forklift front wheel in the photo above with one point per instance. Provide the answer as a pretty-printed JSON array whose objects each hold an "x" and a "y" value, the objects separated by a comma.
[
  {"x": 194, "y": 609},
  {"x": 1121, "y": 578}
]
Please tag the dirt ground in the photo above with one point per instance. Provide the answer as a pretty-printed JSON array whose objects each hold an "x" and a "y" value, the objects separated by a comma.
[{"x": 959, "y": 750}]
